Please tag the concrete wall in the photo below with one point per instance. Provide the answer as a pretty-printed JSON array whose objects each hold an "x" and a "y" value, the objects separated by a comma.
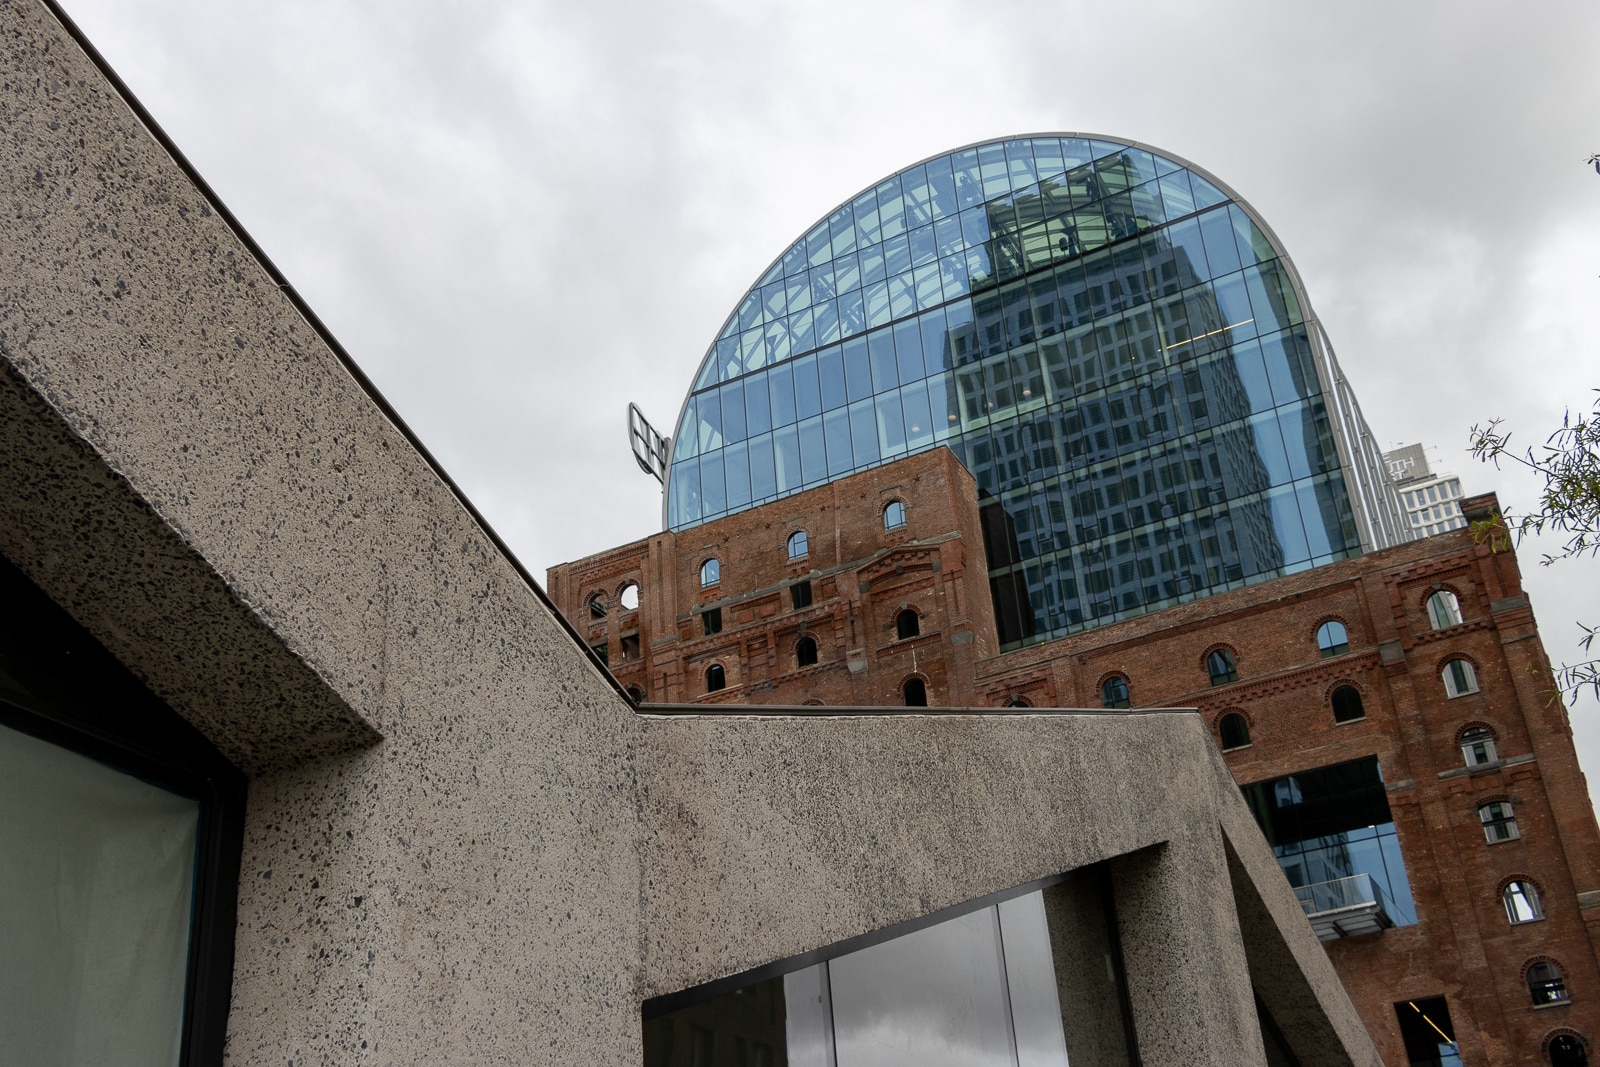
[{"x": 462, "y": 844}]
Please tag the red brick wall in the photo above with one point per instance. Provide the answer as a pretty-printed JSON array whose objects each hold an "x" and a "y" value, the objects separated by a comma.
[{"x": 1462, "y": 948}]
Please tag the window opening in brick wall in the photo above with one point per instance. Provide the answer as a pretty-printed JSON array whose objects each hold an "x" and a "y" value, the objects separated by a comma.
[
  {"x": 629, "y": 599},
  {"x": 1347, "y": 706},
  {"x": 1459, "y": 678},
  {"x": 597, "y": 606},
  {"x": 800, "y": 595},
  {"x": 629, "y": 647},
  {"x": 805, "y": 652},
  {"x": 716, "y": 678},
  {"x": 906, "y": 624},
  {"x": 894, "y": 515},
  {"x": 916, "y": 693},
  {"x": 1114, "y": 693},
  {"x": 711, "y": 620},
  {"x": 1332, "y": 640},
  {"x": 1478, "y": 747},
  {"x": 1235, "y": 731},
  {"x": 798, "y": 548},
  {"x": 1545, "y": 984},
  {"x": 1426, "y": 1030},
  {"x": 1499, "y": 823},
  {"x": 1221, "y": 667},
  {"x": 1444, "y": 610},
  {"x": 1566, "y": 1050},
  {"x": 1522, "y": 902},
  {"x": 710, "y": 573},
  {"x": 600, "y": 649}
]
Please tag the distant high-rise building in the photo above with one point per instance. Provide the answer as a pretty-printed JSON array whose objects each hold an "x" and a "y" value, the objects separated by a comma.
[{"x": 1432, "y": 501}]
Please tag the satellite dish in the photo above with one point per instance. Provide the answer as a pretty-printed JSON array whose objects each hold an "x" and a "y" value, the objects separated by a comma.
[{"x": 650, "y": 449}]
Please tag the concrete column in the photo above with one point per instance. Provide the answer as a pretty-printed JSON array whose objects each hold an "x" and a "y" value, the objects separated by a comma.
[{"x": 1188, "y": 980}]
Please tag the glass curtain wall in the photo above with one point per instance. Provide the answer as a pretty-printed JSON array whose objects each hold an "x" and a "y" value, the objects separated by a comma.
[
  {"x": 1111, "y": 344},
  {"x": 1334, "y": 823}
]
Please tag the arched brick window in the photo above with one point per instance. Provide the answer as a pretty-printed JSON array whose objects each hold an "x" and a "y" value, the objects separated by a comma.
[
  {"x": 1478, "y": 746},
  {"x": 1459, "y": 678},
  {"x": 915, "y": 691},
  {"x": 805, "y": 651},
  {"x": 1444, "y": 610},
  {"x": 799, "y": 547},
  {"x": 1221, "y": 666},
  {"x": 1332, "y": 638},
  {"x": 1521, "y": 898},
  {"x": 894, "y": 515},
  {"x": 716, "y": 678},
  {"x": 906, "y": 624},
  {"x": 1234, "y": 729},
  {"x": 1347, "y": 706},
  {"x": 597, "y": 606},
  {"x": 1546, "y": 985},
  {"x": 1114, "y": 692}
]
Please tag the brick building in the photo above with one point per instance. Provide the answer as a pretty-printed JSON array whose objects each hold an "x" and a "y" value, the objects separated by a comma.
[{"x": 1389, "y": 715}]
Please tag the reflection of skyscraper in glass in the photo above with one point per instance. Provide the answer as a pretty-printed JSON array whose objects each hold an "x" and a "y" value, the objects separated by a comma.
[{"x": 1115, "y": 345}]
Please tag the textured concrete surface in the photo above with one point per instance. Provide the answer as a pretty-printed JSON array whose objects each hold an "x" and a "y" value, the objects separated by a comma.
[{"x": 461, "y": 845}]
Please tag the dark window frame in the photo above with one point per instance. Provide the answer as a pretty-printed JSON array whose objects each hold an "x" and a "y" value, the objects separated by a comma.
[
  {"x": 805, "y": 651},
  {"x": 73, "y": 693},
  {"x": 717, "y": 674},
  {"x": 800, "y": 595},
  {"x": 1221, "y": 666},
  {"x": 907, "y": 624},
  {"x": 711, "y": 621},
  {"x": 1115, "y": 692}
]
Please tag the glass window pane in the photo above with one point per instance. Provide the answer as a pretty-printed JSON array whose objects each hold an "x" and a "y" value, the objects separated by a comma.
[
  {"x": 908, "y": 351},
  {"x": 857, "y": 370},
  {"x": 880, "y": 350},
  {"x": 763, "y": 473},
  {"x": 780, "y": 390},
  {"x": 733, "y": 412},
  {"x": 786, "y": 453},
  {"x": 932, "y": 998},
  {"x": 836, "y": 428},
  {"x": 713, "y": 490},
  {"x": 99, "y": 876},
  {"x": 864, "y": 434},
  {"x": 807, "y": 392},
  {"x": 736, "y": 474},
  {"x": 830, "y": 369},
  {"x": 891, "y": 430},
  {"x": 813, "y": 454}
]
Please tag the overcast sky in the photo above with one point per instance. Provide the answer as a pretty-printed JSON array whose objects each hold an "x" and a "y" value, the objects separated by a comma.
[{"x": 518, "y": 217}]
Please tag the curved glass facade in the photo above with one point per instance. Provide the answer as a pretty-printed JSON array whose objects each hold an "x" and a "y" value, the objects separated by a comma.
[{"x": 1115, "y": 346}]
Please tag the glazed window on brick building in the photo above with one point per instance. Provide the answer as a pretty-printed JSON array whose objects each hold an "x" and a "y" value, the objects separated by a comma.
[
  {"x": 1499, "y": 823},
  {"x": 597, "y": 606},
  {"x": 1335, "y": 838},
  {"x": 1444, "y": 610},
  {"x": 1114, "y": 693},
  {"x": 805, "y": 652},
  {"x": 906, "y": 624},
  {"x": 894, "y": 515},
  {"x": 915, "y": 692},
  {"x": 1478, "y": 747},
  {"x": 1459, "y": 678},
  {"x": 1221, "y": 667},
  {"x": 800, "y": 595},
  {"x": 710, "y": 573},
  {"x": 1521, "y": 899},
  {"x": 711, "y": 621},
  {"x": 798, "y": 547},
  {"x": 716, "y": 678},
  {"x": 1545, "y": 984},
  {"x": 1332, "y": 640},
  {"x": 1429, "y": 1037},
  {"x": 1234, "y": 730},
  {"x": 1347, "y": 706}
]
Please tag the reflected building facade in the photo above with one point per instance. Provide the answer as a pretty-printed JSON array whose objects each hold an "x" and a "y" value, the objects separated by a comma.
[{"x": 1114, "y": 345}]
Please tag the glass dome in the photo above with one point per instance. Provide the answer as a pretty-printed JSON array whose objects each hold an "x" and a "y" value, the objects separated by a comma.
[{"x": 1113, "y": 343}]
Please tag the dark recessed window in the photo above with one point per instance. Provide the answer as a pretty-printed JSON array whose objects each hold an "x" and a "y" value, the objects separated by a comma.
[
  {"x": 798, "y": 548},
  {"x": 1018, "y": 702},
  {"x": 1332, "y": 640},
  {"x": 1221, "y": 667},
  {"x": 1114, "y": 692},
  {"x": 800, "y": 595},
  {"x": 1347, "y": 704},
  {"x": 1234, "y": 730},
  {"x": 894, "y": 515},
  {"x": 636, "y": 693},
  {"x": 1545, "y": 984},
  {"x": 1478, "y": 747},
  {"x": 1444, "y": 610},
  {"x": 1521, "y": 899},
  {"x": 710, "y": 573},
  {"x": 916, "y": 693},
  {"x": 629, "y": 647},
  {"x": 906, "y": 624},
  {"x": 805, "y": 652},
  {"x": 601, "y": 651},
  {"x": 597, "y": 606},
  {"x": 711, "y": 620},
  {"x": 715, "y": 678},
  {"x": 1566, "y": 1050}
]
